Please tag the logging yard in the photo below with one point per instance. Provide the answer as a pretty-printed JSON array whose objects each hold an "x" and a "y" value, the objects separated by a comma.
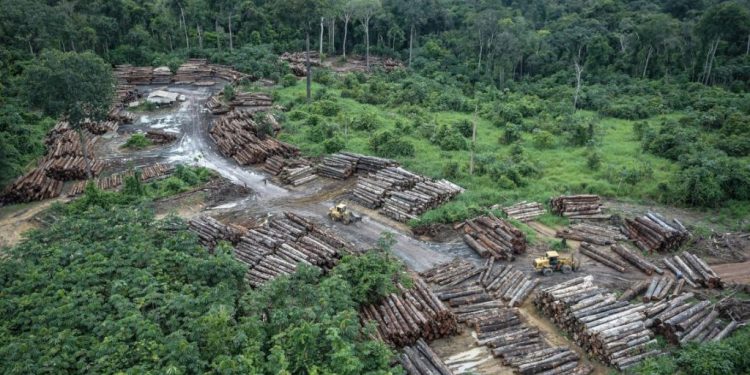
[{"x": 649, "y": 278}]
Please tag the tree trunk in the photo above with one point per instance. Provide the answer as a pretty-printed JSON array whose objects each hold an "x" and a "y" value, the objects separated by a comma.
[
  {"x": 216, "y": 28},
  {"x": 648, "y": 57},
  {"x": 579, "y": 70},
  {"x": 200, "y": 38},
  {"x": 481, "y": 45},
  {"x": 320, "y": 47},
  {"x": 346, "y": 28},
  {"x": 411, "y": 43},
  {"x": 184, "y": 26},
  {"x": 85, "y": 150},
  {"x": 332, "y": 37},
  {"x": 307, "y": 62},
  {"x": 171, "y": 47},
  {"x": 367, "y": 44},
  {"x": 229, "y": 19},
  {"x": 473, "y": 140}
]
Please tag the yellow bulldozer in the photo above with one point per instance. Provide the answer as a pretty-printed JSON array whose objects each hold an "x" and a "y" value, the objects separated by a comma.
[
  {"x": 341, "y": 213},
  {"x": 552, "y": 261}
]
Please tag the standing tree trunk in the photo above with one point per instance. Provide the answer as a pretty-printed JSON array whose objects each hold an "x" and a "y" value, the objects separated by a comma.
[
  {"x": 710, "y": 61},
  {"x": 473, "y": 140},
  {"x": 346, "y": 28},
  {"x": 332, "y": 37},
  {"x": 218, "y": 39},
  {"x": 229, "y": 19},
  {"x": 479, "y": 64},
  {"x": 85, "y": 150},
  {"x": 411, "y": 42},
  {"x": 200, "y": 38},
  {"x": 307, "y": 62},
  {"x": 579, "y": 71},
  {"x": 184, "y": 25},
  {"x": 320, "y": 51},
  {"x": 747, "y": 49},
  {"x": 648, "y": 57},
  {"x": 367, "y": 44}
]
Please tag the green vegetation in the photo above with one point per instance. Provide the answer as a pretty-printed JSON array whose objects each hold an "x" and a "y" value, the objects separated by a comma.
[
  {"x": 137, "y": 141},
  {"x": 118, "y": 291},
  {"x": 728, "y": 356}
]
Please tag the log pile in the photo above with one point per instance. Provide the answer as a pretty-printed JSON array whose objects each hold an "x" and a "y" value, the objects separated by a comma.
[
  {"x": 337, "y": 166},
  {"x": 419, "y": 359},
  {"x": 405, "y": 317},
  {"x": 101, "y": 127},
  {"x": 653, "y": 232},
  {"x": 278, "y": 247},
  {"x": 524, "y": 211},
  {"x": 248, "y": 101},
  {"x": 682, "y": 321},
  {"x": 32, "y": 186},
  {"x": 237, "y": 136},
  {"x": 119, "y": 115},
  {"x": 578, "y": 206},
  {"x": 194, "y": 71},
  {"x": 612, "y": 331},
  {"x": 636, "y": 259},
  {"x": 372, "y": 190},
  {"x": 659, "y": 288},
  {"x": 115, "y": 180},
  {"x": 160, "y": 137},
  {"x": 604, "y": 257},
  {"x": 71, "y": 168},
  {"x": 211, "y": 231},
  {"x": 591, "y": 233},
  {"x": 493, "y": 237},
  {"x": 153, "y": 171},
  {"x": 296, "y": 176},
  {"x": 425, "y": 195},
  {"x": 126, "y": 93},
  {"x": 694, "y": 270},
  {"x": 297, "y": 61}
]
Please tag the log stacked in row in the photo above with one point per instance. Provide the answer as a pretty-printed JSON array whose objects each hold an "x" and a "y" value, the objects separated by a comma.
[
  {"x": 659, "y": 288},
  {"x": 160, "y": 137},
  {"x": 115, "y": 180},
  {"x": 578, "y": 206},
  {"x": 337, "y": 166},
  {"x": 101, "y": 127},
  {"x": 63, "y": 159},
  {"x": 32, "y": 186},
  {"x": 524, "y": 211},
  {"x": 372, "y": 190},
  {"x": 405, "y": 317},
  {"x": 694, "y": 270},
  {"x": 197, "y": 71},
  {"x": 210, "y": 231},
  {"x": 613, "y": 331},
  {"x": 419, "y": 359},
  {"x": 492, "y": 237},
  {"x": 636, "y": 259},
  {"x": 248, "y": 101},
  {"x": 425, "y": 195},
  {"x": 602, "y": 256},
  {"x": 291, "y": 171},
  {"x": 653, "y": 232},
  {"x": 681, "y": 321},
  {"x": 278, "y": 248},
  {"x": 71, "y": 168},
  {"x": 237, "y": 136},
  {"x": 297, "y": 61},
  {"x": 591, "y": 233}
]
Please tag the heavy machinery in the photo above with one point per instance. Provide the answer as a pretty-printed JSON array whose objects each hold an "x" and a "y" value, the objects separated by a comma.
[
  {"x": 340, "y": 213},
  {"x": 552, "y": 261}
]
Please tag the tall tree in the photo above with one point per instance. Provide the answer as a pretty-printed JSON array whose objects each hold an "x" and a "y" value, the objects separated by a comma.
[
  {"x": 416, "y": 13},
  {"x": 726, "y": 22},
  {"x": 75, "y": 86},
  {"x": 346, "y": 14},
  {"x": 364, "y": 11}
]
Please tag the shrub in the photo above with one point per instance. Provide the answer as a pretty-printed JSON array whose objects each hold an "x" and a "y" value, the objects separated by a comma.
[
  {"x": 367, "y": 121},
  {"x": 543, "y": 139},
  {"x": 464, "y": 127},
  {"x": 448, "y": 138},
  {"x": 387, "y": 144},
  {"x": 326, "y": 108},
  {"x": 511, "y": 134},
  {"x": 332, "y": 145},
  {"x": 289, "y": 80},
  {"x": 593, "y": 159},
  {"x": 137, "y": 141},
  {"x": 229, "y": 92},
  {"x": 372, "y": 275},
  {"x": 450, "y": 170}
]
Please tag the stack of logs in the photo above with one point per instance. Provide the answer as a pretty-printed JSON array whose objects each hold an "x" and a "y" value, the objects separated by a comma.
[
  {"x": 694, "y": 270},
  {"x": 613, "y": 331},
  {"x": 32, "y": 186},
  {"x": 682, "y": 321},
  {"x": 578, "y": 206},
  {"x": 493, "y": 237},
  {"x": 160, "y": 137},
  {"x": 425, "y": 195},
  {"x": 653, "y": 232},
  {"x": 71, "y": 168},
  {"x": 297, "y": 61},
  {"x": 115, "y": 180},
  {"x": 636, "y": 259},
  {"x": 248, "y": 101},
  {"x": 237, "y": 135},
  {"x": 278, "y": 248},
  {"x": 372, "y": 190},
  {"x": 210, "y": 231},
  {"x": 591, "y": 233},
  {"x": 602, "y": 256},
  {"x": 293, "y": 171},
  {"x": 342, "y": 165},
  {"x": 101, "y": 127},
  {"x": 64, "y": 157},
  {"x": 419, "y": 359},
  {"x": 656, "y": 289},
  {"x": 194, "y": 71},
  {"x": 524, "y": 211},
  {"x": 405, "y": 317}
]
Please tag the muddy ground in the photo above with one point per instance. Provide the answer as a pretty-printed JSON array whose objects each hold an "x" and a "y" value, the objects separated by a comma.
[{"x": 246, "y": 195}]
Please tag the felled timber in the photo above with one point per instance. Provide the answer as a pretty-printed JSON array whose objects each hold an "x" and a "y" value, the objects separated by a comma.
[
  {"x": 210, "y": 231},
  {"x": 694, "y": 270},
  {"x": 33, "y": 186},
  {"x": 602, "y": 256},
  {"x": 637, "y": 260},
  {"x": 372, "y": 190},
  {"x": 297, "y": 61},
  {"x": 682, "y": 321},
  {"x": 578, "y": 206},
  {"x": 237, "y": 134},
  {"x": 425, "y": 195},
  {"x": 160, "y": 137},
  {"x": 653, "y": 232},
  {"x": 247, "y": 101},
  {"x": 101, "y": 127},
  {"x": 115, "y": 180},
  {"x": 612, "y": 331},
  {"x": 524, "y": 211},
  {"x": 492, "y": 237},
  {"x": 342, "y": 165},
  {"x": 284, "y": 242},
  {"x": 405, "y": 317},
  {"x": 420, "y": 359},
  {"x": 591, "y": 233}
]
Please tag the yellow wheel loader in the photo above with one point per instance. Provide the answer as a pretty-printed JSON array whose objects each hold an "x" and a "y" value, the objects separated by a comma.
[
  {"x": 340, "y": 213},
  {"x": 552, "y": 261}
]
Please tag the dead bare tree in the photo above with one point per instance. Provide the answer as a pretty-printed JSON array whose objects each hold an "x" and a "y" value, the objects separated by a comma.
[{"x": 579, "y": 71}]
